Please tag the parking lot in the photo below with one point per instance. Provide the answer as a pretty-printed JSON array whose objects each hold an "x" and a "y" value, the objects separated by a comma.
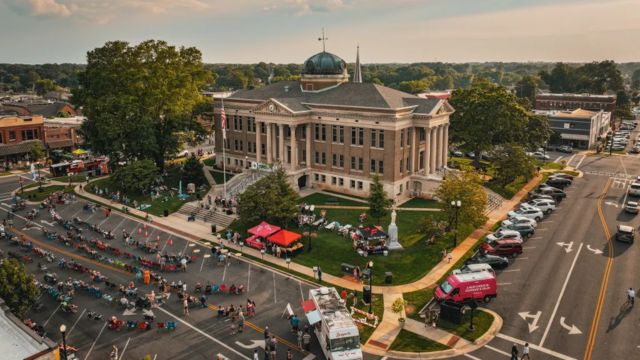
[{"x": 200, "y": 335}]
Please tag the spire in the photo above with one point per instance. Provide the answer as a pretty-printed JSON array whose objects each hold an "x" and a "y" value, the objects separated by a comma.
[
  {"x": 357, "y": 74},
  {"x": 323, "y": 39}
]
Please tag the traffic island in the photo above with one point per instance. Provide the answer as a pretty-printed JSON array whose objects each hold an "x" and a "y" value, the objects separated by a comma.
[
  {"x": 407, "y": 341},
  {"x": 36, "y": 195}
]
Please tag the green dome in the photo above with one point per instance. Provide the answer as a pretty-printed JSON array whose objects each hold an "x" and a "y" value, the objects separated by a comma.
[{"x": 324, "y": 63}]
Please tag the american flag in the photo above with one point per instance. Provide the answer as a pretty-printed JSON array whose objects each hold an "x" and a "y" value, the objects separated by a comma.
[{"x": 223, "y": 121}]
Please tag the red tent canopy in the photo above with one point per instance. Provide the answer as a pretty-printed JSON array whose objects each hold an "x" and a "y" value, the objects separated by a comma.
[
  {"x": 264, "y": 229},
  {"x": 284, "y": 237}
]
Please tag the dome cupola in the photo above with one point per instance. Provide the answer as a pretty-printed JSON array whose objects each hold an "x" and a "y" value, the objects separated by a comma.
[{"x": 324, "y": 63}]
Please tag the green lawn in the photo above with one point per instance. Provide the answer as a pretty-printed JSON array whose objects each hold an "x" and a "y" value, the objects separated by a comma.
[
  {"x": 325, "y": 199},
  {"x": 409, "y": 342},
  {"x": 35, "y": 195},
  {"x": 416, "y": 300},
  {"x": 210, "y": 161},
  {"x": 349, "y": 195},
  {"x": 218, "y": 176},
  {"x": 481, "y": 322},
  {"x": 421, "y": 203},
  {"x": 553, "y": 166},
  {"x": 74, "y": 178},
  {"x": 377, "y": 306},
  {"x": 164, "y": 202},
  {"x": 331, "y": 249}
]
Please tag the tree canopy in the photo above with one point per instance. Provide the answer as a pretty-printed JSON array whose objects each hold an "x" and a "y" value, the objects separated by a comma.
[
  {"x": 271, "y": 199},
  {"x": 138, "y": 99},
  {"x": 465, "y": 186},
  {"x": 192, "y": 171},
  {"x": 137, "y": 176},
  {"x": 17, "y": 287},
  {"x": 513, "y": 162},
  {"x": 378, "y": 202}
]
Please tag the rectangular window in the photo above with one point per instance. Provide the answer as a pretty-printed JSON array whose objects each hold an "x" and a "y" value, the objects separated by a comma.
[
  {"x": 360, "y": 136},
  {"x": 334, "y": 180},
  {"x": 317, "y": 157},
  {"x": 1, "y": 139},
  {"x": 401, "y": 165},
  {"x": 263, "y": 149},
  {"x": 340, "y": 182},
  {"x": 304, "y": 156},
  {"x": 374, "y": 137},
  {"x": 341, "y": 134},
  {"x": 240, "y": 123},
  {"x": 335, "y": 160},
  {"x": 353, "y": 184},
  {"x": 303, "y": 130},
  {"x": 359, "y": 185},
  {"x": 341, "y": 160},
  {"x": 409, "y": 164},
  {"x": 324, "y": 178},
  {"x": 324, "y": 132},
  {"x": 353, "y": 136},
  {"x": 360, "y": 164},
  {"x": 353, "y": 163},
  {"x": 317, "y": 177},
  {"x": 334, "y": 134},
  {"x": 381, "y": 139},
  {"x": 422, "y": 134},
  {"x": 372, "y": 169},
  {"x": 324, "y": 158},
  {"x": 381, "y": 166},
  {"x": 401, "y": 138},
  {"x": 409, "y": 136},
  {"x": 28, "y": 134},
  {"x": 316, "y": 133}
]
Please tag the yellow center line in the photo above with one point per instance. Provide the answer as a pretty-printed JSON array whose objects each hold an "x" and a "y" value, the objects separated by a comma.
[
  {"x": 257, "y": 328},
  {"x": 605, "y": 277}
]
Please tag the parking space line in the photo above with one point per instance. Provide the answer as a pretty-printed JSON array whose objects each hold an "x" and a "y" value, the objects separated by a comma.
[
  {"x": 76, "y": 213},
  {"x": 224, "y": 272},
  {"x": 165, "y": 244},
  {"x": 185, "y": 247},
  {"x": 76, "y": 322},
  {"x": 472, "y": 357},
  {"x": 203, "y": 333},
  {"x": 202, "y": 264},
  {"x": 249, "y": 278},
  {"x": 523, "y": 258},
  {"x": 528, "y": 247},
  {"x": 504, "y": 284},
  {"x": 124, "y": 348},
  {"x": 50, "y": 316},
  {"x": 497, "y": 350},
  {"x": 119, "y": 224},
  {"x": 103, "y": 221},
  {"x": 512, "y": 270},
  {"x": 534, "y": 347},
  {"x": 275, "y": 297},
  {"x": 95, "y": 341},
  {"x": 301, "y": 292}
]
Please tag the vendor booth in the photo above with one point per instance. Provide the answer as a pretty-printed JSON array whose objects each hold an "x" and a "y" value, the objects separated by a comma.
[
  {"x": 259, "y": 233},
  {"x": 370, "y": 240},
  {"x": 287, "y": 240}
]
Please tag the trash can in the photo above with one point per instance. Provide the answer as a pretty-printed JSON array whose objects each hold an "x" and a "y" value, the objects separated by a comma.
[
  {"x": 366, "y": 294},
  {"x": 347, "y": 268},
  {"x": 166, "y": 213},
  {"x": 213, "y": 228},
  {"x": 388, "y": 277}
]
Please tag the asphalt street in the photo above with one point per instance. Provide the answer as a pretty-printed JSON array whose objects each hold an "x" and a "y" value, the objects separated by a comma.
[{"x": 200, "y": 335}]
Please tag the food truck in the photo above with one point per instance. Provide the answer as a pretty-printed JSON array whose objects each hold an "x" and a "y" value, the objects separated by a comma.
[{"x": 336, "y": 331}]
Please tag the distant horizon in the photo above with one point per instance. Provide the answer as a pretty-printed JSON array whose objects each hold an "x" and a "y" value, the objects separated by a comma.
[{"x": 287, "y": 31}]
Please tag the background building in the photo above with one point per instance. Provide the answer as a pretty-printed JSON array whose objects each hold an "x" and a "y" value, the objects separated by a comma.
[
  {"x": 550, "y": 101},
  {"x": 578, "y": 128},
  {"x": 330, "y": 133},
  {"x": 18, "y": 134},
  {"x": 63, "y": 133},
  {"x": 18, "y": 342}
]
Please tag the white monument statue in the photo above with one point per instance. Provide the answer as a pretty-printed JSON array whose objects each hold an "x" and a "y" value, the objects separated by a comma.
[{"x": 393, "y": 232}]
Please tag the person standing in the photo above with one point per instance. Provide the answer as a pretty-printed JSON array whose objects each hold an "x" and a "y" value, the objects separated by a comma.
[
  {"x": 514, "y": 352},
  {"x": 114, "y": 353},
  {"x": 185, "y": 305},
  {"x": 274, "y": 347},
  {"x": 631, "y": 295},
  {"x": 289, "y": 354},
  {"x": 306, "y": 340},
  {"x": 319, "y": 275},
  {"x": 255, "y": 352},
  {"x": 299, "y": 337},
  {"x": 266, "y": 334},
  {"x": 525, "y": 352}
]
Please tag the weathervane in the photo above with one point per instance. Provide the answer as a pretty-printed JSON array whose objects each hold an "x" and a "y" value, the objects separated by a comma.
[{"x": 322, "y": 39}]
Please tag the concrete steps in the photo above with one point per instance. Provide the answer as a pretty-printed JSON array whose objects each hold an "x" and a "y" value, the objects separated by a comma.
[{"x": 209, "y": 216}]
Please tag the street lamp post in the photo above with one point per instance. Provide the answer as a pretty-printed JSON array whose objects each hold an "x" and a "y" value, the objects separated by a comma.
[
  {"x": 241, "y": 245},
  {"x": 63, "y": 331},
  {"x": 456, "y": 204},
  {"x": 39, "y": 178},
  {"x": 288, "y": 260},
  {"x": 370, "y": 267},
  {"x": 262, "y": 253},
  {"x": 474, "y": 305}
]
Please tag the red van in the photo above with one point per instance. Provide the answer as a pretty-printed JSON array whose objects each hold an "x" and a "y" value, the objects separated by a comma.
[
  {"x": 503, "y": 247},
  {"x": 461, "y": 287}
]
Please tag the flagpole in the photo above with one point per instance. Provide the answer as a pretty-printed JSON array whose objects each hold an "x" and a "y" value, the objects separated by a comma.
[{"x": 224, "y": 154}]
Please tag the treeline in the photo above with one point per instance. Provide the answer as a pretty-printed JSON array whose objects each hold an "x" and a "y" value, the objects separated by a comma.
[{"x": 21, "y": 78}]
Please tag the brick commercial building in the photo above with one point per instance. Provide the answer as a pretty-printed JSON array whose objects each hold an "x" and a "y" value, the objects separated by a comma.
[
  {"x": 330, "y": 133},
  {"x": 62, "y": 133},
  {"x": 18, "y": 134},
  {"x": 563, "y": 102}
]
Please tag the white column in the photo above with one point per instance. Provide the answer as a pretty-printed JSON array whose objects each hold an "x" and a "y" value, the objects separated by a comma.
[
  {"x": 445, "y": 144},
  {"x": 427, "y": 151},
  {"x": 269, "y": 144},
  {"x": 432, "y": 153},
  {"x": 258, "y": 142},
  {"x": 294, "y": 148},
  {"x": 281, "y": 156},
  {"x": 440, "y": 137},
  {"x": 308, "y": 144},
  {"x": 414, "y": 167}
]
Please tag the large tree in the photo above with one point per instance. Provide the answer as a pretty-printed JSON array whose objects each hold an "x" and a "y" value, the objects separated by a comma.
[
  {"x": 511, "y": 163},
  {"x": 17, "y": 287},
  {"x": 527, "y": 87},
  {"x": 538, "y": 131},
  {"x": 135, "y": 177},
  {"x": 465, "y": 186},
  {"x": 486, "y": 115},
  {"x": 192, "y": 171},
  {"x": 378, "y": 202},
  {"x": 138, "y": 99},
  {"x": 271, "y": 199}
]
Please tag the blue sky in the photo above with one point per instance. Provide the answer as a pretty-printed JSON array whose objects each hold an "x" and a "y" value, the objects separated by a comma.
[{"x": 286, "y": 31}]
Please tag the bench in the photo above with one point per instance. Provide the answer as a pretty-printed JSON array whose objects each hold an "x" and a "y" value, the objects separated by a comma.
[{"x": 347, "y": 268}]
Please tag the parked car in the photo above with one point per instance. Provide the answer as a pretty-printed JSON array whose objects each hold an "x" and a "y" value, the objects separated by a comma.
[
  {"x": 536, "y": 196},
  {"x": 632, "y": 207},
  {"x": 541, "y": 156},
  {"x": 504, "y": 234},
  {"x": 563, "y": 175},
  {"x": 474, "y": 268},
  {"x": 555, "y": 193},
  {"x": 565, "y": 149},
  {"x": 470, "y": 286},
  {"x": 546, "y": 206},
  {"x": 471, "y": 154},
  {"x": 625, "y": 233},
  {"x": 525, "y": 230},
  {"x": 635, "y": 150},
  {"x": 558, "y": 182},
  {"x": 496, "y": 262},
  {"x": 457, "y": 153},
  {"x": 517, "y": 220},
  {"x": 616, "y": 147},
  {"x": 634, "y": 189},
  {"x": 506, "y": 247},
  {"x": 535, "y": 214}
]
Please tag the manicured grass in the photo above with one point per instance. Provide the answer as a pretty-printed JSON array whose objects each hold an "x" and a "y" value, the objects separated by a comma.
[
  {"x": 416, "y": 300},
  {"x": 218, "y": 176},
  {"x": 349, "y": 195},
  {"x": 553, "y": 166},
  {"x": 377, "y": 306},
  {"x": 421, "y": 203},
  {"x": 325, "y": 199},
  {"x": 35, "y": 195},
  {"x": 164, "y": 202},
  {"x": 481, "y": 322},
  {"x": 210, "y": 161},
  {"x": 74, "y": 178},
  {"x": 409, "y": 342},
  {"x": 5, "y": 173}
]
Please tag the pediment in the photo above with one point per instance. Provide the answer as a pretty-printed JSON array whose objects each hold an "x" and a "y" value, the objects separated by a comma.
[
  {"x": 273, "y": 106},
  {"x": 443, "y": 108}
]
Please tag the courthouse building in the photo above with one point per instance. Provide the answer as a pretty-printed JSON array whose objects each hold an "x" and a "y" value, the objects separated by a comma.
[{"x": 332, "y": 133}]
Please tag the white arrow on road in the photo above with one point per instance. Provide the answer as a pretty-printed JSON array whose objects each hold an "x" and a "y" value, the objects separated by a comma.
[
  {"x": 533, "y": 326},
  {"x": 128, "y": 312},
  {"x": 611, "y": 203},
  {"x": 573, "y": 330},
  {"x": 595, "y": 251},
  {"x": 47, "y": 223},
  {"x": 254, "y": 344},
  {"x": 568, "y": 247}
]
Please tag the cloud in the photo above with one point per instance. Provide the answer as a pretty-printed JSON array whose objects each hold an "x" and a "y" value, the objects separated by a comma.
[
  {"x": 42, "y": 8},
  {"x": 305, "y": 7}
]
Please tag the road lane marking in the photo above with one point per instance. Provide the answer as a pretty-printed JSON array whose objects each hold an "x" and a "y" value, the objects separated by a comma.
[
  {"x": 124, "y": 349},
  {"x": 564, "y": 287},
  {"x": 528, "y": 247},
  {"x": 497, "y": 350},
  {"x": 165, "y": 244},
  {"x": 534, "y": 347},
  {"x": 512, "y": 270},
  {"x": 95, "y": 341},
  {"x": 470, "y": 357},
  {"x": 50, "y": 316},
  {"x": 275, "y": 297},
  {"x": 504, "y": 284},
  {"x": 119, "y": 224},
  {"x": 605, "y": 276},
  {"x": 76, "y": 322},
  {"x": 581, "y": 160},
  {"x": 204, "y": 334}
]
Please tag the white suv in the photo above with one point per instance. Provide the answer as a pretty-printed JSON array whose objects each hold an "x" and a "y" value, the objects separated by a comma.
[
  {"x": 533, "y": 213},
  {"x": 543, "y": 204},
  {"x": 505, "y": 234},
  {"x": 634, "y": 189}
]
